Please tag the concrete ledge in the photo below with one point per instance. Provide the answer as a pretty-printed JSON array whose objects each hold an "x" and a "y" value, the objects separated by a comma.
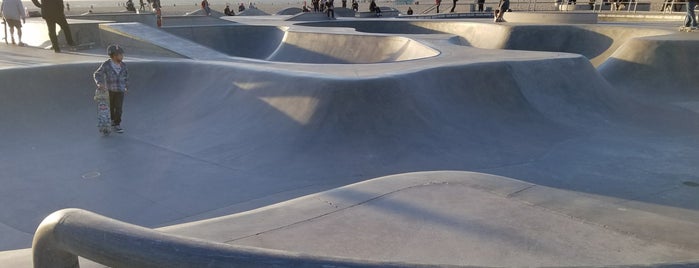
[
  {"x": 574, "y": 7},
  {"x": 386, "y": 12},
  {"x": 551, "y": 17},
  {"x": 310, "y": 16}
]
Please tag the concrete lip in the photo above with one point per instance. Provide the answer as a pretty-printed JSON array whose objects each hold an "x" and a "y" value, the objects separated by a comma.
[
  {"x": 560, "y": 145},
  {"x": 551, "y": 17}
]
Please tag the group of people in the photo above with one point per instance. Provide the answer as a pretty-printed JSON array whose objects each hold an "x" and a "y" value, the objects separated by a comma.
[
  {"x": 479, "y": 3},
  {"x": 14, "y": 14}
]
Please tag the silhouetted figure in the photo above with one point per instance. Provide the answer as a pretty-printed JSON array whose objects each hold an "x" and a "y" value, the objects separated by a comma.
[
  {"x": 52, "y": 12},
  {"x": 355, "y": 5},
  {"x": 241, "y": 7},
  {"x": 691, "y": 19},
  {"x": 130, "y": 6},
  {"x": 374, "y": 8},
  {"x": 330, "y": 4},
  {"x": 228, "y": 11},
  {"x": 344, "y": 3},
  {"x": 480, "y": 5},
  {"x": 453, "y": 6},
  {"x": 410, "y": 11}
]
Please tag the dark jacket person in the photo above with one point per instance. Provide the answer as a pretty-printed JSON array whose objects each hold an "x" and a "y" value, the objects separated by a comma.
[{"x": 52, "y": 12}]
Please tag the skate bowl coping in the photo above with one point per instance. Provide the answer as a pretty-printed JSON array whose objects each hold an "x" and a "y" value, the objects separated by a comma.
[
  {"x": 66, "y": 234},
  {"x": 274, "y": 44},
  {"x": 551, "y": 17}
]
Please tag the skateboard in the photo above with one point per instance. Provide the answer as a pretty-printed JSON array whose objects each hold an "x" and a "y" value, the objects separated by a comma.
[
  {"x": 83, "y": 46},
  {"x": 104, "y": 121},
  {"x": 688, "y": 29}
]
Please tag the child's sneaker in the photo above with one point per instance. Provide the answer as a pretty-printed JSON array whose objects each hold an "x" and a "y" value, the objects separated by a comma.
[{"x": 118, "y": 129}]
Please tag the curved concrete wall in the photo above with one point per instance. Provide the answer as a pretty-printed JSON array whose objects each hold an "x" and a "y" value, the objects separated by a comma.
[
  {"x": 306, "y": 47},
  {"x": 256, "y": 42},
  {"x": 274, "y": 44},
  {"x": 592, "y": 41},
  {"x": 664, "y": 66}
]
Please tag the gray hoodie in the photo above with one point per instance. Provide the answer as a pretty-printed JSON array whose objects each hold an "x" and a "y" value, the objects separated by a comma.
[{"x": 12, "y": 10}]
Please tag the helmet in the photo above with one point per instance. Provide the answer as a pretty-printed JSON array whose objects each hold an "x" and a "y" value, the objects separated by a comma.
[{"x": 114, "y": 49}]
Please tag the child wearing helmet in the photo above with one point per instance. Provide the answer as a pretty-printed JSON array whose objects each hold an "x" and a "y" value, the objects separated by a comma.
[{"x": 113, "y": 76}]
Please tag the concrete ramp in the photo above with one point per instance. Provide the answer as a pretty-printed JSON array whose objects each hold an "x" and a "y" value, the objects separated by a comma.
[
  {"x": 461, "y": 218},
  {"x": 289, "y": 45},
  {"x": 147, "y": 40},
  {"x": 664, "y": 67},
  {"x": 304, "y": 47}
]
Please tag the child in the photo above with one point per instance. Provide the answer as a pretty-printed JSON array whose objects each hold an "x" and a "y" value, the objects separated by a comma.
[
  {"x": 13, "y": 12},
  {"x": 113, "y": 76}
]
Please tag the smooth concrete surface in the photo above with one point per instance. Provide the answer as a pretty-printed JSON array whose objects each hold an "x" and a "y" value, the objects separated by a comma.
[{"x": 609, "y": 152}]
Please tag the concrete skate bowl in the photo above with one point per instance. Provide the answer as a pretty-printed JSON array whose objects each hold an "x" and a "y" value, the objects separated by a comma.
[
  {"x": 211, "y": 139},
  {"x": 275, "y": 44},
  {"x": 596, "y": 42},
  {"x": 661, "y": 67}
]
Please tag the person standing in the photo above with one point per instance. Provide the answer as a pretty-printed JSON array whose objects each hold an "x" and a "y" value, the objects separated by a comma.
[
  {"x": 331, "y": 8},
  {"x": 438, "y": 3},
  {"x": 113, "y": 76},
  {"x": 13, "y": 13},
  {"x": 480, "y": 5},
  {"x": 502, "y": 8},
  {"x": 690, "y": 21},
  {"x": 52, "y": 12},
  {"x": 228, "y": 11},
  {"x": 205, "y": 6}
]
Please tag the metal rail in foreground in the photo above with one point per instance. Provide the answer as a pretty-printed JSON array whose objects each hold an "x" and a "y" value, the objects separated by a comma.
[{"x": 66, "y": 234}]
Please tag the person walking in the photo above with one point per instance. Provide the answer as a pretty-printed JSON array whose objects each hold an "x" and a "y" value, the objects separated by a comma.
[
  {"x": 52, "y": 12},
  {"x": 690, "y": 21},
  {"x": 13, "y": 14},
  {"x": 502, "y": 8},
  {"x": 453, "y": 6},
  {"x": 113, "y": 76}
]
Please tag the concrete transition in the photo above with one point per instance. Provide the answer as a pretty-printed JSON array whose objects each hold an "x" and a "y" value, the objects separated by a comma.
[{"x": 293, "y": 141}]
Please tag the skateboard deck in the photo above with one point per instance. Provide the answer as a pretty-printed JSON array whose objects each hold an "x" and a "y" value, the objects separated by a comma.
[
  {"x": 104, "y": 122},
  {"x": 687, "y": 29}
]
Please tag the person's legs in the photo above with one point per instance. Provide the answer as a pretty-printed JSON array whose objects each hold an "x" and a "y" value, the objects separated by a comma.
[
  {"x": 19, "y": 35},
  {"x": 15, "y": 24},
  {"x": 453, "y": 6},
  {"x": 691, "y": 19},
  {"x": 66, "y": 30},
  {"x": 116, "y": 101},
  {"x": 12, "y": 34},
  {"x": 51, "y": 25}
]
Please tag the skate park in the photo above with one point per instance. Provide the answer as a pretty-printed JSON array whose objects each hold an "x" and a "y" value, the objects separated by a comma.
[{"x": 360, "y": 142}]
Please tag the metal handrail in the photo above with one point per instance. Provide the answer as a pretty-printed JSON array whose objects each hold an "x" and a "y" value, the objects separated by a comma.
[{"x": 66, "y": 234}]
